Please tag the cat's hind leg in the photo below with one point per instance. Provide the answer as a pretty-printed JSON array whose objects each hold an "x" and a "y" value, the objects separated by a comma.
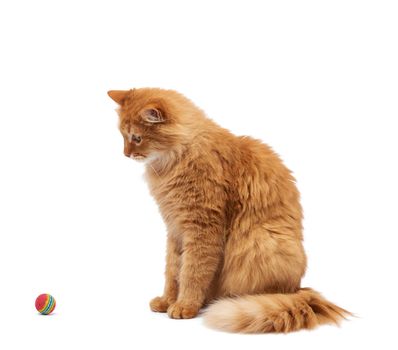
[{"x": 263, "y": 260}]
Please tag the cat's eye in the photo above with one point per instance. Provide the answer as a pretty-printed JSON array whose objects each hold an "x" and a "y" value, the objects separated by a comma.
[{"x": 152, "y": 115}]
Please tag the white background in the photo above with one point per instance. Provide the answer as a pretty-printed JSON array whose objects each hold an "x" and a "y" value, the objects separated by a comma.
[{"x": 317, "y": 80}]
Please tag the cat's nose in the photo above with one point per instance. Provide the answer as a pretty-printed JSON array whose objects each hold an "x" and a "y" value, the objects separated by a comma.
[{"x": 136, "y": 139}]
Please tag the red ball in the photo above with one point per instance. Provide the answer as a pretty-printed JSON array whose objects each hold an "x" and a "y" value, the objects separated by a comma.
[{"x": 45, "y": 304}]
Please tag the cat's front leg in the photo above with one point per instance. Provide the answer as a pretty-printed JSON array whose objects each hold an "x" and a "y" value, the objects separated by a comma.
[
  {"x": 201, "y": 256},
  {"x": 161, "y": 304}
]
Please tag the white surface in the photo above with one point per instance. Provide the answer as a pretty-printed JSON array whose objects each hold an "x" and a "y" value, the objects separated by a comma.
[{"x": 316, "y": 80}]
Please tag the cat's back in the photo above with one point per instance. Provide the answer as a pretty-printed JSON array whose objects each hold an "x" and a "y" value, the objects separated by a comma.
[
  {"x": 259, "y": 158},
  {"x": 263, "y": 181}
]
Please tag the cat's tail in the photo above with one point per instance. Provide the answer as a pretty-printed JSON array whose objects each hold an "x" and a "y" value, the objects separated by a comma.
[{"x": 266, "y": 313}]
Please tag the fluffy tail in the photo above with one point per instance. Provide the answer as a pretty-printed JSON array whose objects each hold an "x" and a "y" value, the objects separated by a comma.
[{"x": 265, "y": 313}]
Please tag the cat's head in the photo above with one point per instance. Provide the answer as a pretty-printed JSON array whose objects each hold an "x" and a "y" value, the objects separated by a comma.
[{"x": 149, "y": 121}]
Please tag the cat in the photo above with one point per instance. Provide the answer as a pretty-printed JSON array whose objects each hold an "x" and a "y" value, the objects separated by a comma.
[{"x": 233, "y": 216}]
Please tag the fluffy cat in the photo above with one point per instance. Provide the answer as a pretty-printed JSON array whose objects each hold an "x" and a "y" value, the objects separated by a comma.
[{"x": 233, "y": 218}]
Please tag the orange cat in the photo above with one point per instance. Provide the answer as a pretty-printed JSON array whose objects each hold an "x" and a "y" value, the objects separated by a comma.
[{"x": 233, "y": 217}]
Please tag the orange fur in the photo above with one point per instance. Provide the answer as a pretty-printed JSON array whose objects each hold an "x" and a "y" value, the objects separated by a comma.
[{"x": 233, "y": 217}]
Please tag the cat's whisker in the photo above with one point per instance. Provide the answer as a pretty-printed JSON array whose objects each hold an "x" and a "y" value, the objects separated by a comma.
[{"x": 153, "y": 169}]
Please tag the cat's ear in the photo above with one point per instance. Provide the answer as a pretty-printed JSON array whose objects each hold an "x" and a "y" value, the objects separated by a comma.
[
  {"x": 152, "y": 115},
  {"x": 118, "y": 95}
]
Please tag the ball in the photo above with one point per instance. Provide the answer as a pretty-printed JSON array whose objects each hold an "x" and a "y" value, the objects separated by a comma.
[{"x": 45, "y": 304}]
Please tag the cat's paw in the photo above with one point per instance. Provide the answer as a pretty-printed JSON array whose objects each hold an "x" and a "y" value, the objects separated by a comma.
[
  {"x": 180, "y": 310},
  {"x": 159, "y": 304}
]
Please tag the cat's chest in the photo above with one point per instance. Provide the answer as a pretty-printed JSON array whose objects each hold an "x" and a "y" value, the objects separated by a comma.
[
  {"x": 172, "y": 194},
  {"x": 167, "y": 191}
]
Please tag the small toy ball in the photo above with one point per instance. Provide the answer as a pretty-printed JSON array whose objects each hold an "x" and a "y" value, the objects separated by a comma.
[{"x": 45, "y": 304}]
